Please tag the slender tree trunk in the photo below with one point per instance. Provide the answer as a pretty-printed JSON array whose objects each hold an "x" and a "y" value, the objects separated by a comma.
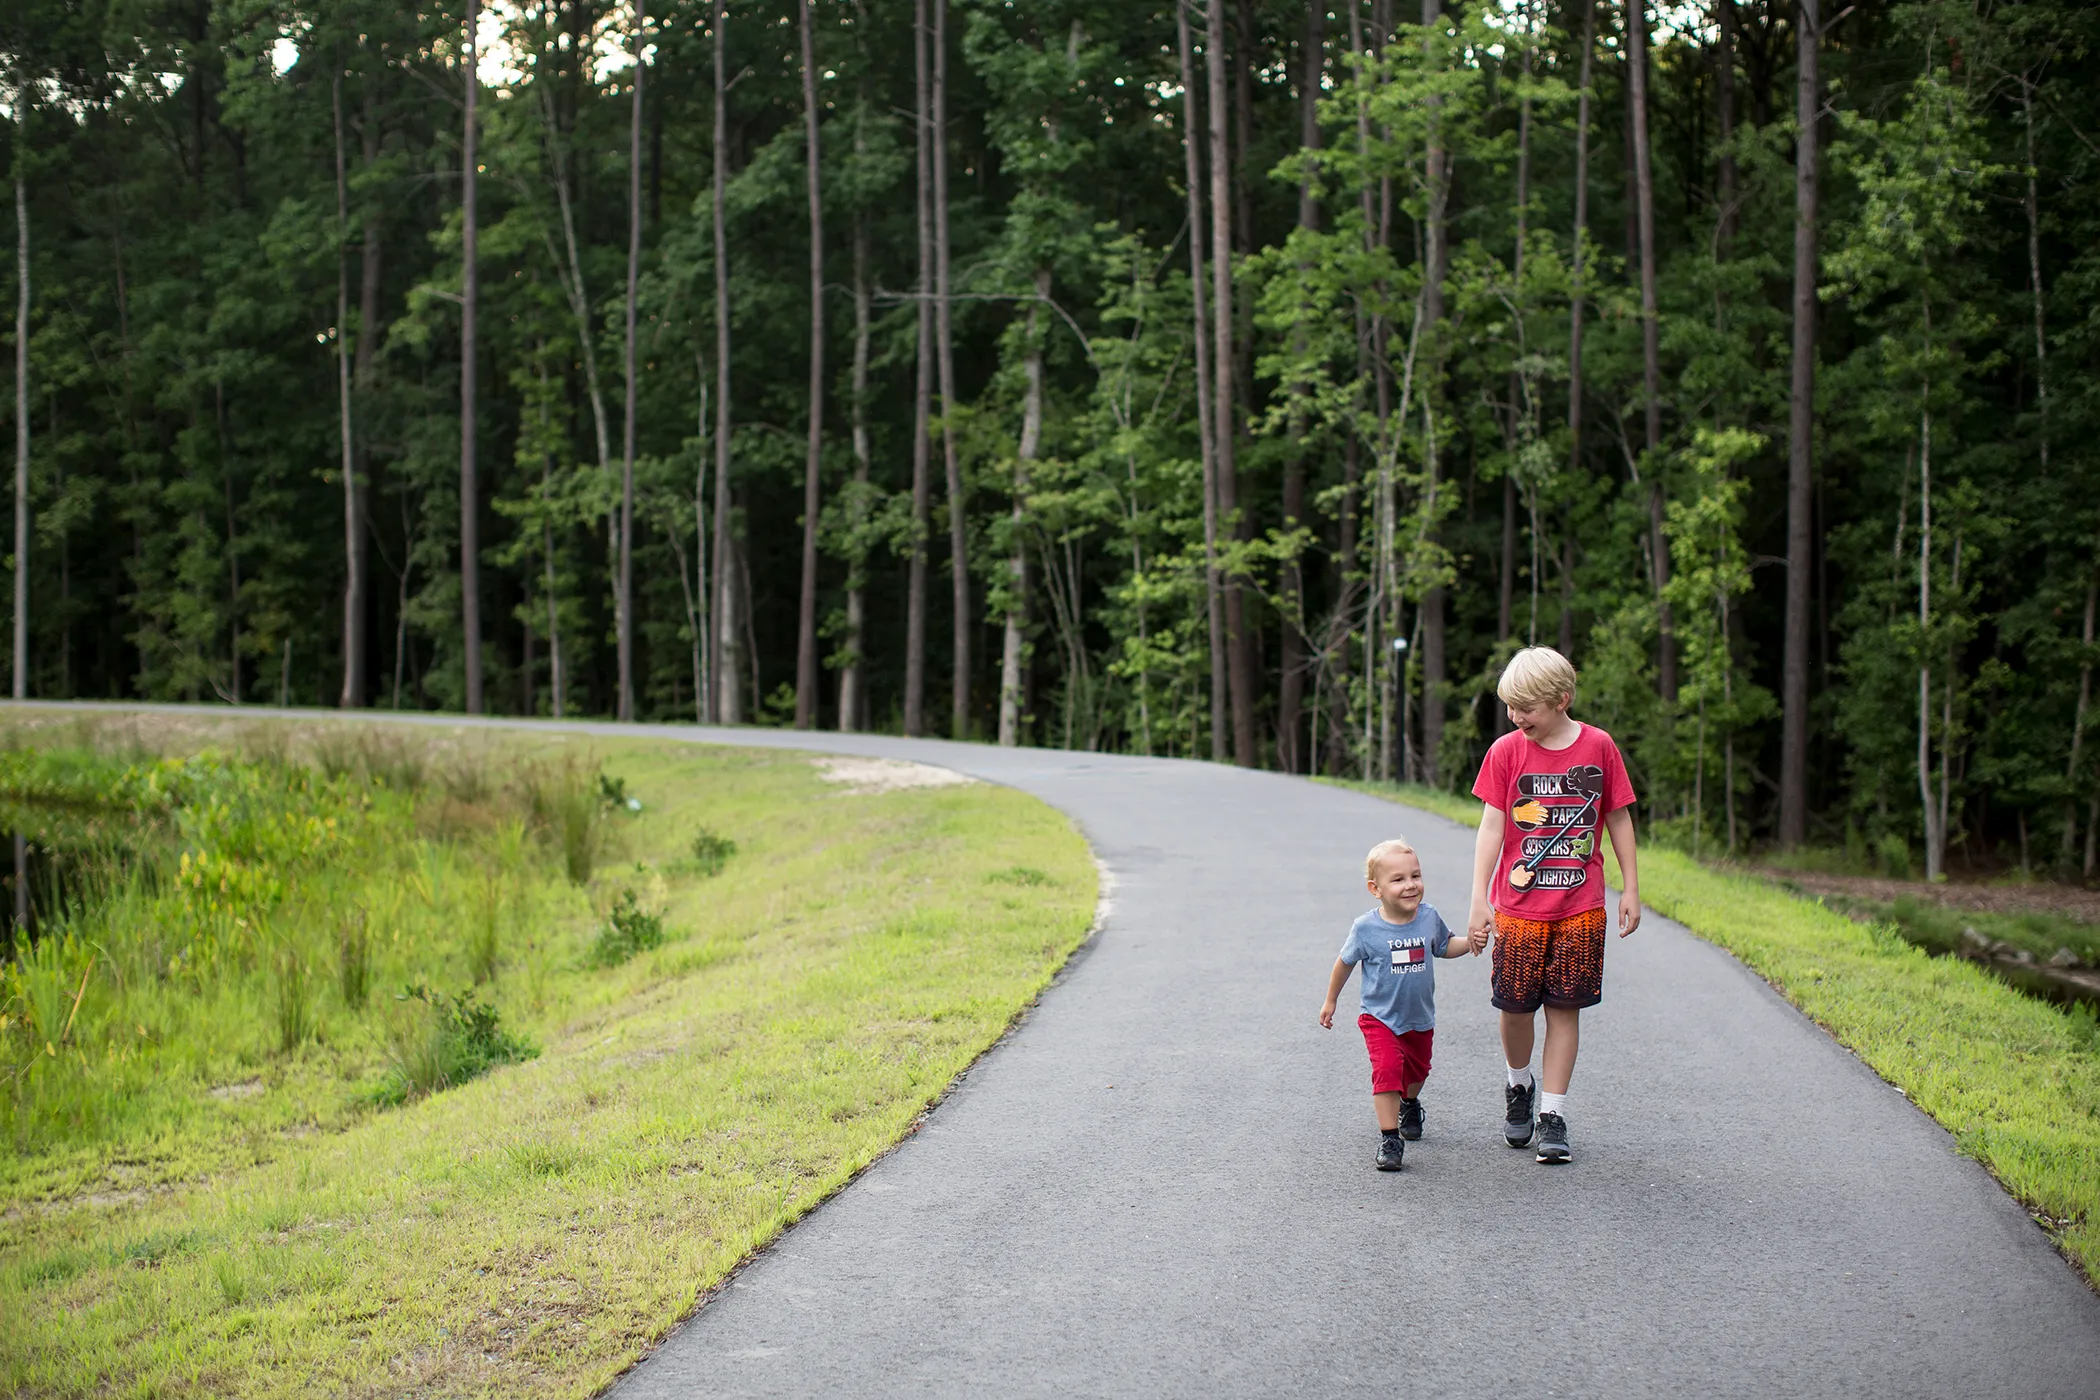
[
  {"x": 1010, "y": 684},
  {"x": 958, "y": 530},
  {"x": 1519, "y": 417},
  {"x": 1290, "y": 703},
  {"x": 21, "y": 655},
  {"x": 728, "y": 670},
  {"x": 851, "y": 675},
  {"x": 353, "y": 693},
  {"x": 1567, "y": 583},
  {"x": 1431, "y": 610},
  {"x": 1801, "y": 443},
  {"x": 358, "y": 610},
  {"x": 1935, "y": 834},
  {"x": 1214, "y": 593},
  {"x": 922, "y": 412},
  {"x": 2085, "y": 700},
  {"x": 1224, "y": 418},
  {"x": 557, "y": 682},
  {"x": 1651, "y": 350},
  {"x": 2034, "y": 269},
  {"x": 623, "y": 595},
  {"x": 1724, "y": 103},
  {"x": 469, "y": 407},
  {"x": 573, "y": 284},
  {"x": 1577, "y": 248},
  {"x": 812, "y": 501}
]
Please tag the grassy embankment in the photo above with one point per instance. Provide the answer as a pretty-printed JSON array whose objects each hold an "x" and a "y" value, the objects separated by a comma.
[
  {"x": 256, "y": 1195},
  {"x": 2016, "y": 1080}
]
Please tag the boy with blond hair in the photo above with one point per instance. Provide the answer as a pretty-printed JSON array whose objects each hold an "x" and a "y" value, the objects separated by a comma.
[
  {"x": 1538, "y": 892},
  {"x": 1396, "y": 944}
]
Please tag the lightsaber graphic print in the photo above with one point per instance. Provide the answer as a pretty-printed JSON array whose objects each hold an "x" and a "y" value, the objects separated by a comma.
[{"x": 1584, "y": 780}]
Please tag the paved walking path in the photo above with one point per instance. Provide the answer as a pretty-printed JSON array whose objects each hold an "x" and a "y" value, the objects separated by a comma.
[{"x": 1161, "y": 1184}]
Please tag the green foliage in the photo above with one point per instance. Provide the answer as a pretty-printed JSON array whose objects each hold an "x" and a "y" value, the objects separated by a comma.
[
  {"x": 437, "y": 1042},
  {"x": 628, "y": 929},
  {"x": 1397, "y": 476},
  {"x": 711, "y": 851}
]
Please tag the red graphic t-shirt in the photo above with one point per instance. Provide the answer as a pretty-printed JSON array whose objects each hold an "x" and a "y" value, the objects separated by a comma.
[{"x": 1553, "y": 803}]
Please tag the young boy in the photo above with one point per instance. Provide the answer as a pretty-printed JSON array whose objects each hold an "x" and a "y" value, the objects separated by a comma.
[
  {"x": 1541, "y": 897},
  {"x": 1395, "y": 943}
]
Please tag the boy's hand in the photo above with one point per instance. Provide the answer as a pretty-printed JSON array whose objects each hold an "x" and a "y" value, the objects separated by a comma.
[
  {"x": 1629, "y": 911},
  {"x": 1327, "y": 1017},
  {"x": 1480, "y": 927}
]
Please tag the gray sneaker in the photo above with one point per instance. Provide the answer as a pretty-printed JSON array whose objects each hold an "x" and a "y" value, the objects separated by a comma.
[
  {"x": 1553, "y": 1138},
  {"x": 1517, "y": 1122},
  {"x": 1390, "y": 1152},
  {"x": 1410, "y": 1119}
]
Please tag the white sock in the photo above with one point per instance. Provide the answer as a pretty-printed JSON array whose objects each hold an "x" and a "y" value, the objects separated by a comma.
[
  {"x": 1553, "y": 1103},
  {"x": 1519, "y": 1078}
]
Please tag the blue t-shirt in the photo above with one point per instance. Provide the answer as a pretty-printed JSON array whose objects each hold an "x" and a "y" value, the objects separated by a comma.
[{"x": 1399, "y": 966}]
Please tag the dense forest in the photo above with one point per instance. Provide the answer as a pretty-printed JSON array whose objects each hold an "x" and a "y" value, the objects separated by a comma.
[{"x": 1241, "y": 379}]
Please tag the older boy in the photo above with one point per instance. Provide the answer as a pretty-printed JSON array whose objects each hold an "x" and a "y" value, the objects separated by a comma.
[
  {"x": 1395, "y": 943},
  {"x": 1541, "y": 896}
]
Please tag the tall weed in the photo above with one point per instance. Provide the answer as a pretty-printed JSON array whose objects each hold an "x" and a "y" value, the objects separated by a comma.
[
  {"x": 294, "y": 1000},
  {"x": 435, "y": 1042},
  {"x": 354, "y": 958}
]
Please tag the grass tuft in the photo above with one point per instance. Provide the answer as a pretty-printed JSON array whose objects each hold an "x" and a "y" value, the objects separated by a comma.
[
  {"x": 628, "y": 930},
  {"x": 710, "y": 852},
  {"x": 438, "y": 1042}
]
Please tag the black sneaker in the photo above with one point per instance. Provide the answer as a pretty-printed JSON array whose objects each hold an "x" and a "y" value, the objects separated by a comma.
[
  {"x": 1553, "y": 1138},
  {"x": 1517, "y": 1122},
  {"x": 1410, "y": 1119},
  {"x": 1390, "y": 1151}
]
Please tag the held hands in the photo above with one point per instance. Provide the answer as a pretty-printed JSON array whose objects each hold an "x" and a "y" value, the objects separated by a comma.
[
  {"x": 1629, "y": 911},
  {"x": 1480, "y": 927},
  {"x": 1327, "y": 1016}
]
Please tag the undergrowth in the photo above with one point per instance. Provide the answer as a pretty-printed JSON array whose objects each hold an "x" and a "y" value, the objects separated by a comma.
[{"x": 212, "y": 925}]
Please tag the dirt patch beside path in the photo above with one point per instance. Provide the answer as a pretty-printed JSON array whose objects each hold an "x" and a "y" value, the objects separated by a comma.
[{"x": 886, "y": 774}]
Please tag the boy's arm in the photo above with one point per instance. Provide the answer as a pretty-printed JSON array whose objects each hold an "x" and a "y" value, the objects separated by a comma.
[
  {"x": 1619, "y": 823},
  {"x": 1335, "y": 979},
  {"x": 1487, "y": 854}
]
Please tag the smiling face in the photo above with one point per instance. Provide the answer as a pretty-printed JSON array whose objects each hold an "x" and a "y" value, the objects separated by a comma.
[
  {"x": 1397, "y": 881},
  {"x": 1543, "y": 721}
]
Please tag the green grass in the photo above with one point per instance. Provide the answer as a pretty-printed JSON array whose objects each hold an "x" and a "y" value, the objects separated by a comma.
[
  {"x": 531, "y": 1231},
  {"x": 2016, "y": 1080},
  {"x": 1938, "y": 929}
]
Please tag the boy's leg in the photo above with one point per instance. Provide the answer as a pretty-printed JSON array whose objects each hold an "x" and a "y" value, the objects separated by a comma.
[
  {"x": 1563, "y": 1033},
  {"x": 1387, "y": 1107},
  {"x": 1519, "y": 1033}
]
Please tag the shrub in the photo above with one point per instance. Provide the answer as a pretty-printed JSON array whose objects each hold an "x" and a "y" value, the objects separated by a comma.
[
  {"x": 437, "y": 1042},
  {"x": 711, "y": 851},
  {"x": 629, "y": 929}
]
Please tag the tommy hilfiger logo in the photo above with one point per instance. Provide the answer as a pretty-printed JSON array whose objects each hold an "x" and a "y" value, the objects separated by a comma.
[{"x": 1408, "y": 956}]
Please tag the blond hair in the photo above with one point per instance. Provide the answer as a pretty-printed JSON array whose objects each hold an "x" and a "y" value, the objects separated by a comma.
[
  {"x": 1394, "y": 847},
  {"x": 1536, "y": 676}
]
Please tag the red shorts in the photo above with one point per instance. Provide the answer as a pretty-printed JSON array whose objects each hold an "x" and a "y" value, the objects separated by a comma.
[{"x": 1399, "y": 1060}]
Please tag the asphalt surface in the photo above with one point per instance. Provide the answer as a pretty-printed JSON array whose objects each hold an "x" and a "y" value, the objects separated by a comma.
[{"x": 1161, "y": 1185}]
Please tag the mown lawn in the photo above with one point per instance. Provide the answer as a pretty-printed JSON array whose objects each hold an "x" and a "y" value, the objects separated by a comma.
[
  {"x": 531, "y": 1231},
  {"x": 2016, "y": 1080}
]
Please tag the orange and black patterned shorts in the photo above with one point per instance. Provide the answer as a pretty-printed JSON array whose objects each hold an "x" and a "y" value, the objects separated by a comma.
[{"x": 1550, "y": 962}]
